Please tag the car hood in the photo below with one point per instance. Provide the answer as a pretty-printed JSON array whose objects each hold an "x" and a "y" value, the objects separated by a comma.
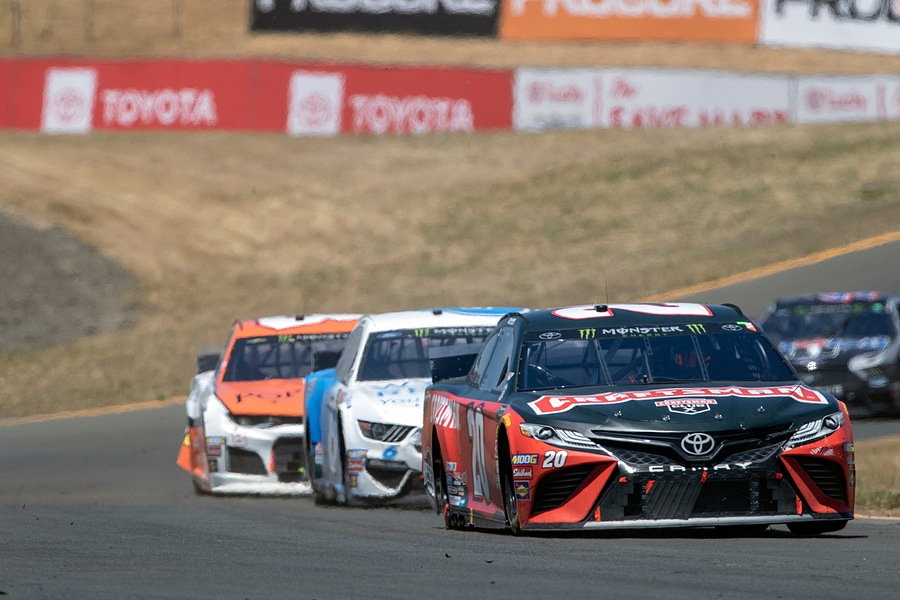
[
  {"x": 831, "y": 351},
  {"x": 275, "y": 397},
  {"x": 708, "y": 408},
  {"x": 396, "y": 401}
]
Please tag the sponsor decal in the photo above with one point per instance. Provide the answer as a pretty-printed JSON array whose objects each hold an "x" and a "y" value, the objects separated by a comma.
[
  {"x": 213, "y": 465},
  {"x": 405, "y": 393},
  {"x": 523, "y": 490},
  {"x": 214, "y": 451},
  {"x": 824, "y": 99},
  {"x": 548, "y": 405},
  {"x": 687, "y": 406},
  {"x": 68, "y": 100},
  {"x": 524, "y": 459},
  {"x": 314, "y": 103},
  {"x": 444, "y": 412},
  {"x": 187, "y": 107},
  {"x": 381, "y": 113},
  {"x": 390, "y": 453},
  {"x": 698, "y": 444},
  {"x": 523, "y": 472},
  {"x": 696, "y": 328},
  {"x": 442, "y": 17},
  {"x": 451, "y": 466},
  {"x": 677, "y": 309},
  {"x": 215, "y": 440},
  {"x": 550, "y": 335},
  {"x": 669, "y": 20},
  {"x": 356, "y": 454}
]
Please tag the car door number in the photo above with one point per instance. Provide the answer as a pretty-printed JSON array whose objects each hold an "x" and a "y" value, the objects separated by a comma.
[
  {"x": 475, "y": 421},
  {"x": 555, "y": 459}
]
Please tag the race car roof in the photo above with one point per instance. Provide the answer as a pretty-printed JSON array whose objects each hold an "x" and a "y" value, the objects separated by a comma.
[
  {"x": 315, "y": 323},
  {"x": 836, "y": 298},
  {"x": 616, "y": 315},
  {"x": 438, "y": 317}
]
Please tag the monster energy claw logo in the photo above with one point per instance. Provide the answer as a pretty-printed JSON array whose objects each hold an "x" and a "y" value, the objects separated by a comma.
[
  {"x": 696, "y": 328},
  {"x": 587, "y": 334},
  {"x": 421, "y": 333}
]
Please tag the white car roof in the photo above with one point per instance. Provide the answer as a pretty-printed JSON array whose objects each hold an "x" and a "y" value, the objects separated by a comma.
[{"x": 437, "y": 317}]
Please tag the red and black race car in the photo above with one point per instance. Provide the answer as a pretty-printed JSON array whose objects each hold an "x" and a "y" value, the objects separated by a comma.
[{"x": 634, "y": 416}]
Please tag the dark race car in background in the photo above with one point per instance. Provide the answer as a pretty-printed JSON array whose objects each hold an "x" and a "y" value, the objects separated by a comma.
[
  {"x": 846, "y": 343},
  {"x": 635, "y": 416}
]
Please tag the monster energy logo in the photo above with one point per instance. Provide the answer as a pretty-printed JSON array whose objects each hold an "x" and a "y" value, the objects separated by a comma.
[
  {"x": 587, "y": 334},
  {"x": 696, "y": 328},
  {"x": 421, "y": 332}
]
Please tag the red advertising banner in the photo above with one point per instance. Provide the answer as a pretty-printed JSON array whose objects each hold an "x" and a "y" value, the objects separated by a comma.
[
  {"x": 6, "y": 100},
  {"x": 72, "y": 96},
  {"x": 326, "y": 100}
]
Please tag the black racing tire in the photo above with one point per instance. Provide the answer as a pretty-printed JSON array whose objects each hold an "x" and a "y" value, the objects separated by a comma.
[
  {"x": 511, "y": 508},
  {"x": 198, "y": 489},
  {"x": 345, "y": 473},
  {"x": 309, "y": 458},
  {"x": 441, "y": 498},
  {"x": 816, "y": 527}
]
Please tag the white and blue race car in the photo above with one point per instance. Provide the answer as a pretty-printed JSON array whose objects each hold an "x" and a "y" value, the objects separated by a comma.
[{"x": 364, "y": 417}]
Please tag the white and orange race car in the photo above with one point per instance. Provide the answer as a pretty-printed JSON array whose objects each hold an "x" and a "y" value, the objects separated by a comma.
[{"x": 245, "y": 408}]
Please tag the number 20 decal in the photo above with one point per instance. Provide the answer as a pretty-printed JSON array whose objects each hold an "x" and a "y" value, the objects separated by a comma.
[
  {"x": 676, "y": 309},
  {"x": 555, "y": 459}
]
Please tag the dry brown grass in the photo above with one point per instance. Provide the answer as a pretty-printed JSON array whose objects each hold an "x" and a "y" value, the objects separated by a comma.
[
  {"x": 218, "y": 226},
  {"x": 878, "y": 477}
]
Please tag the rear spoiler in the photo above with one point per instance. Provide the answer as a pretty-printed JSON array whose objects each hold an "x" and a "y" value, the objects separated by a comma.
[
  {"x": 208, "y": 358},
  {"x": 451, "y": 362}
]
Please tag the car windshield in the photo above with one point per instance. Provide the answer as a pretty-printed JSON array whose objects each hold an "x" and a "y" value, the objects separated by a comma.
[
  {"x": 282, "y": 356},
  {"x": 404, "y": 354},
  {"x": 726, "y": 352},
  {"x": 828, "y": 320}
]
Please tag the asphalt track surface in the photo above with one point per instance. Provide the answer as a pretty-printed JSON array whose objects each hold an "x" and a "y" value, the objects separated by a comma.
[{"x": 94, "y": 507}]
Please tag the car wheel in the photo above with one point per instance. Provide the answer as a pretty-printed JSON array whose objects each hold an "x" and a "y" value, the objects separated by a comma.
[
  {"x": 816, "y": 527},
  {"x": 344, "y": 496},
  {"x": 309, "y": 458},
  {"x": 198, "y": 489},
  {"x": 509, "y": 501},
  {"x": 441, "y": 498}
]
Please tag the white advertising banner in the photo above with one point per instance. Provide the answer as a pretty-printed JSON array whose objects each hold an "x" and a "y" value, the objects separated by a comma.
[
  {"x": 842, "y": 99},
  {"x": 637, "y": 98},
  {"x": 867, "y": 25},
  {"x": 69, "y": 96},
  {"x": 315, "y": 102}
]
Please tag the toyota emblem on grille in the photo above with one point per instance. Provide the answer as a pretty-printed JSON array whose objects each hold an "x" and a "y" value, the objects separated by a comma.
[{"x": 697, "y": 444}]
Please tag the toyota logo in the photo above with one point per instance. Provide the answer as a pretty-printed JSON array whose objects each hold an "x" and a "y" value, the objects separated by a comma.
[{"x": 698, "y": 444}]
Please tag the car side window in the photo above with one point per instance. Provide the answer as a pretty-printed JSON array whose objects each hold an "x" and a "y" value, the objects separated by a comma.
[
  {"x": 499, "y": 364},
  {"x": 348, "y": 356},
  {"x": 476, "y": 373}
]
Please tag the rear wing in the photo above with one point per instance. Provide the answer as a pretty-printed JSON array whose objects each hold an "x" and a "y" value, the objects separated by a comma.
[
  {"x": 451, "y": 362},
  {"x": 208, "y": 358}
]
